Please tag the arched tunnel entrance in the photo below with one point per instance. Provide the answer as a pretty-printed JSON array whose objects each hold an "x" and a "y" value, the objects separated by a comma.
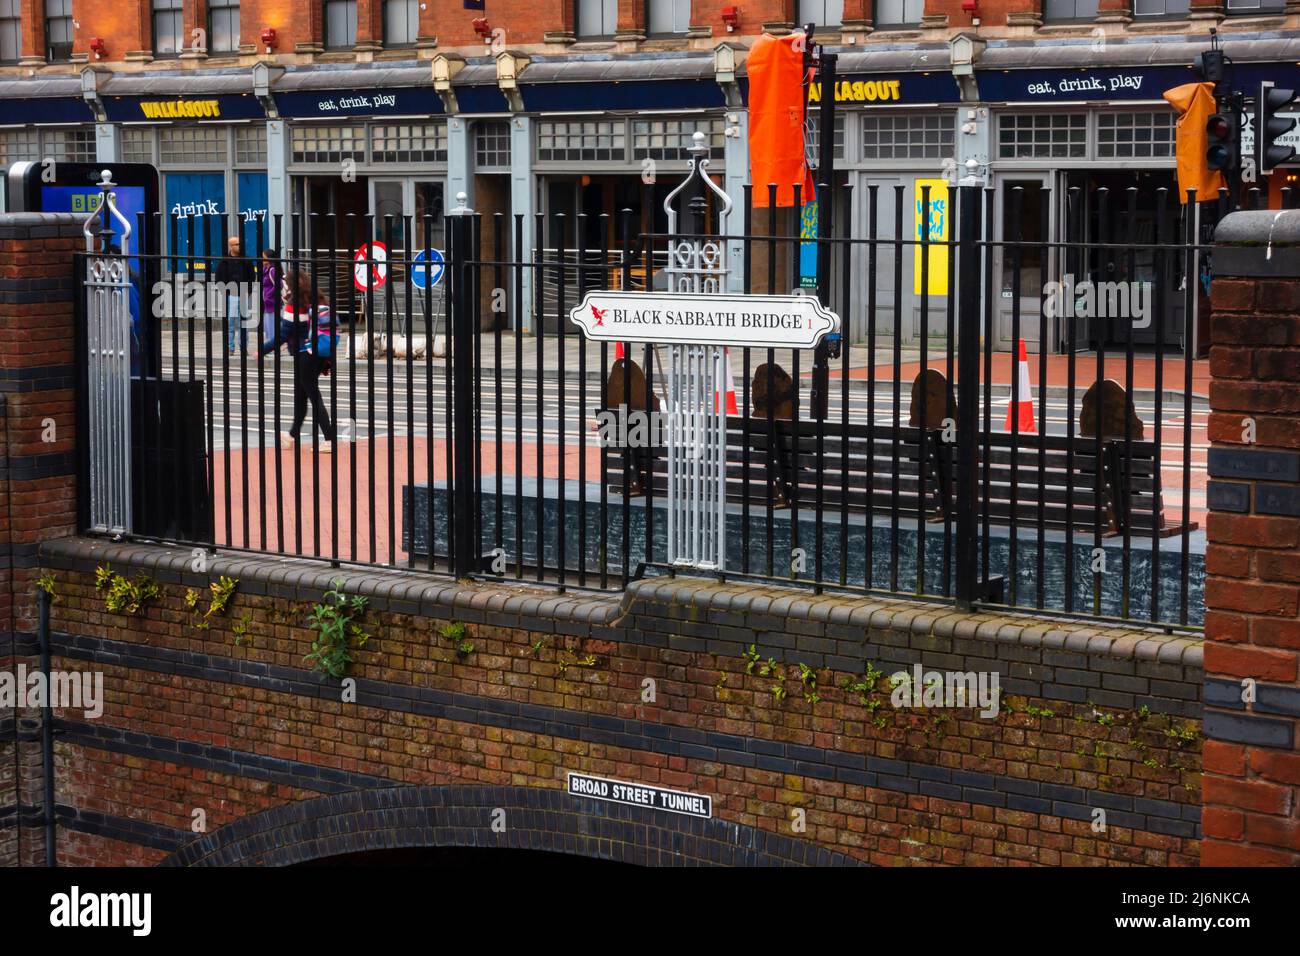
[{"x": 538, "y": 826}]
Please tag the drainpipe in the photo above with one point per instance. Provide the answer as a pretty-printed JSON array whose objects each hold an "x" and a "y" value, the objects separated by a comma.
[{"x": 47, "y": 727}]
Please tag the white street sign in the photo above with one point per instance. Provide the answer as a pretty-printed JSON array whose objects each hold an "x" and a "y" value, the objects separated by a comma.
[{"x": 673, "y": 318}]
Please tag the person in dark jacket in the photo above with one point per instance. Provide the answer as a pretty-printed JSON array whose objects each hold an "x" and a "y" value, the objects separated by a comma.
[
  {"x": 236, "y": 278},
  {"x": 306, "y": 331}
]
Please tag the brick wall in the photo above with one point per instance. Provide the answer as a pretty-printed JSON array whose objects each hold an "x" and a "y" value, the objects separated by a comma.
[
  {"x": 37, "y": 495},
  {"x": 1252, "y": 629},
  {"x": 198, "y": 720}
]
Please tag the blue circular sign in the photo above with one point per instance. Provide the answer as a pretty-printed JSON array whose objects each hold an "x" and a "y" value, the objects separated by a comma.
[{"x": 426, "y": 261}]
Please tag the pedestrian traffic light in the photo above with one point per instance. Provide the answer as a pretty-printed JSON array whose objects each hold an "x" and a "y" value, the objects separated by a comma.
[
  {"x": 1270, "y": 127},
  {"x": 1221, "y": 141}
]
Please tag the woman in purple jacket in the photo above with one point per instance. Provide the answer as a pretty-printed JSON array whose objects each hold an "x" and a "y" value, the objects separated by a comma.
[{"x": 270, "y": 279}]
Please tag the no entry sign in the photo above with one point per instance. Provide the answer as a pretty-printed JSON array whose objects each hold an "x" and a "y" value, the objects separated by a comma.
[
  {"x": 370, "y": 276},
  {"x": 672, "y": 318}
]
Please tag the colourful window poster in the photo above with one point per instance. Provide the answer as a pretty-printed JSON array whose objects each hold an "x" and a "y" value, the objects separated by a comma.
[
  {"x": 198, "y": 199},
  {"x": 807, "y": 249},
  {"x": 934, "y": 220}
]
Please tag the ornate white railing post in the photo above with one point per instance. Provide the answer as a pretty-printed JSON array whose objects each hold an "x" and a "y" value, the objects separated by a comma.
[
  {"x": 696, "y": 421},
  {"x": 108, "y": 363},
  {"x": 698, "y": 320}
]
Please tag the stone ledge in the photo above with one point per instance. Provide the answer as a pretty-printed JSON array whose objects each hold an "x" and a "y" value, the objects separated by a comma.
[{"x": 823, "y": 625}]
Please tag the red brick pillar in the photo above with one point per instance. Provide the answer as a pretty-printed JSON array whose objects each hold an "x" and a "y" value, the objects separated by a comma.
[
  {"x": 37, "y": 481},
  {"x": 1251, "y": 790}
]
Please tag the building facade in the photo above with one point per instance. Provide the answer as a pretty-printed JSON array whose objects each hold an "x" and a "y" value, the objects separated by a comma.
[{"x": 274, "y": 110}]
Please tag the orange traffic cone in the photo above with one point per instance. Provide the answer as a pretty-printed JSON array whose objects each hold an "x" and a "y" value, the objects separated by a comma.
[
  {"x": 1023, "y": 409},
  {"x": 732, "y": 407},
  {"x": 618, "y": 351}
]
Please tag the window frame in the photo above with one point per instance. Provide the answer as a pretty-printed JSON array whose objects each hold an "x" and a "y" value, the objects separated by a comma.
[
  {"x": 649, "y": 6},
  {"x": 174, "y": 9},
  {"x": 879, "y": 24},
  {"x": 1087, "y": 18},
  {"x": 1164, "y": 14},
  {"x": 44, "y": 25},
  {"x": 606, "y": 6},
  {"x": 223, "y": 6},
  {"x": 802, "y": 17},
  {"x": 14, "y": 23},
  {"x": 325, "y": 25},
  {"x": 413, "y": 8}
]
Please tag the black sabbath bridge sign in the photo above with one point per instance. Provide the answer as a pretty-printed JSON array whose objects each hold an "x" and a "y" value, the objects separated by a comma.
[{"x": 684, "y": 318}]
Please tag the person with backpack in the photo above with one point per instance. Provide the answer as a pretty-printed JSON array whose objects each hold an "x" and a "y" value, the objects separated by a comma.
[{"x": 306, "y": 330}]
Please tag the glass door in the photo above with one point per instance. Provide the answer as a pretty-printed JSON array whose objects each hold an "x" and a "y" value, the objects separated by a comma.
[{"x": 1023, "y": 222}]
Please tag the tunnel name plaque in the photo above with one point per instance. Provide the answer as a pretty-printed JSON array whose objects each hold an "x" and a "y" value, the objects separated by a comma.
[
  {"x": 640, "y": 795},
  {"x": 713, "y": 318}
]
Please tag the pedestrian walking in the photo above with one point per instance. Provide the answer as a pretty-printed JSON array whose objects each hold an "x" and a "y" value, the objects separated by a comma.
[
  {"x": 270, "y": 294},
  {"x": 306, "y": 332},
  {"x": 235, "y": 277}
]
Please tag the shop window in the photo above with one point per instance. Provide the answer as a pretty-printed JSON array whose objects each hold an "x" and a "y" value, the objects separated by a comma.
[
  {"x": 11, "y": 30},
  {"x": 58, "y": 30},
  {"x": 340, "y": 24},
  {"x": 492, "y": 145},
  {"x": 1043, "y": 136},
  {"x": 581, "y": 141},
  {"x": 328, "y": 144},
  {"x": 191, "y": 145},
  {"x": 137, "y": 145},
  {"x": 667, "y": 17},
  {"x": 223, "y": 26},
  {"x": 68, "y": 145},
  {"x": 821, "y": 13},
  {"x": 595, "y": 19},
  {"x": 250, "y": 145},
  {"x": 1248, "y": 7},
  {"x": 168, "y": 28},
  {"x": 409, "y": 143},
  {"x": 1065, "y": 11},
  {"x": 1161, "y": 8},
  {"x": 815, "y": 133},
  {"x": 1144, "y": 135},
  {"x": 907, "y": 136},
  {"x": 670, "y": 139},
  {"x": 401, "y": 22},
  {"x": 898, "y": 13},
  {"x": 19, "y": 144}
]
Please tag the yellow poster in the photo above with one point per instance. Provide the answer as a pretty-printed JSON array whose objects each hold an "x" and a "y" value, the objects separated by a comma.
[{"x": 934, "y": 219}]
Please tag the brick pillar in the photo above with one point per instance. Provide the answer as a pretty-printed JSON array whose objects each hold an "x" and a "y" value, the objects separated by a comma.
[
  {"x": 1251, "y": 788},
  {"x": 37, "y": 481}
]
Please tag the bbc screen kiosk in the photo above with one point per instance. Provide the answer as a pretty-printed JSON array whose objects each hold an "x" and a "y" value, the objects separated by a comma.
[{"x": 169, "y": 472}]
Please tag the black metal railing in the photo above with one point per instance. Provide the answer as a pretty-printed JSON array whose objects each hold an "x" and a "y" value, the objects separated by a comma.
[{"x": 885, "y": 469}]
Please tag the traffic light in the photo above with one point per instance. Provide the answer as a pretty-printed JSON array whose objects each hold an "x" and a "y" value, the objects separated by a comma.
[
  {"x": 1270, "y": 127},
  {"x": 1221, "y": 131},
  {"x": 1196, "y": 106}
]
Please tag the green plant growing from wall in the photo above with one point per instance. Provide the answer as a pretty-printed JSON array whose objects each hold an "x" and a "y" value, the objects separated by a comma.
[
  {"x": 46, "y": 583},
  {"x": 222, "y": 592},
  {"x": 587, "y": 660},
  {"x": 339, "y": 633},
  {"x": 864, "y": 685},
  {"x": 123, "y": 595},
  {"x": 751, "y": 658},
  {"x": 808, "y": 679},
  {"x": 241, "y": 627},
  {"x": 458, "y": 633}
]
